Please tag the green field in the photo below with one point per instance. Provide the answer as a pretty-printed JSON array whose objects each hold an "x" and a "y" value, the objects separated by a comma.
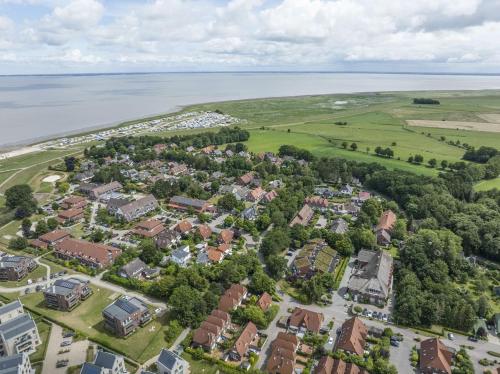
[
  {"x": 143, "y": 344},
  {"x": 372, "y": 120},
  {"x": 488, "y": 185}
]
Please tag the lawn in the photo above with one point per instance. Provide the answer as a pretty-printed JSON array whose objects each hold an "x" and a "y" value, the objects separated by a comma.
[
  {"x": 44, "y": 332},
  {"x": 145, "y": 343},
  {"x": 200, "y": 366},
  {"x": 488, "y": 184}
]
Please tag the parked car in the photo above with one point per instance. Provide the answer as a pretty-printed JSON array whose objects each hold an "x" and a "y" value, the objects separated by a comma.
[
  {"x": 451, "y": 336},
  {"x": 473, "y": 339},
  {"x": 65, "y": 343},
  {"x": 394, "y": 343},
  {"x": 330, "y": 340}
]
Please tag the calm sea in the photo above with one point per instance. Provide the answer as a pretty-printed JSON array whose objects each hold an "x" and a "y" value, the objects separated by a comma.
[{"x": 37, "y": 107}]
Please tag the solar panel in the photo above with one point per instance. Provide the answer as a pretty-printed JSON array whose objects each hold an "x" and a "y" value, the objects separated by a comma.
[{"x": 126, "y": 306}]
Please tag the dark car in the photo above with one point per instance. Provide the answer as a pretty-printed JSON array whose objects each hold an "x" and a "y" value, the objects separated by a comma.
[
  {"x": 394, "y": 343},
  {"x": 473, "y": 339}
]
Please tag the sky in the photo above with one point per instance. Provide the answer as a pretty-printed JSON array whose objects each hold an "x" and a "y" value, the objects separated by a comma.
[{"x": 100, "y": 36}]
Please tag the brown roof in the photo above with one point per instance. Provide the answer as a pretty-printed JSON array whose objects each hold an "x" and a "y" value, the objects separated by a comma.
[
  {"x": 215, "y": 321},
  {"x": 222, "y": 315},
  {"x": 329, "y": 365},
  {"x": 70, "y": 213},
  {"x": 203, "y": 337},
  {"x": 265, "y": 301},
  {"x": 214, "y": 255},
  {"x": 54, "y": 236},
  {"x": 232, "y": 297},
  {"x": 227, "y": 303},
  {"x": 352, "y": 336},
  {"x": 256, "y": 193},
  {"x": 226, "y": 235},
  {"x": 214, "y": 329},
  {"x": 317, "y": 201},
  {"x": 245, "y": 339},
  {"x": 292, "y": 338},
  {"x": 270, "y": 195},
  {"x": 282, "y": 360},
  {"x": 303, "y": 216},
  {"x": 246, "y": 178},
  {"x": 237, "y": 289},
  {"x": 434, "y": 354},
  {"x": 73, "y": 199},
  {"x": 312, "y": 321},
  {"x": 183, "y": 226},
  {"x": 149, "y": 228},
  {"x": 386, "y": 221},
  {"x": 205, "y": 231},
  {"x": 224, "y": 248},
  {"x": 93, "y": 252}
]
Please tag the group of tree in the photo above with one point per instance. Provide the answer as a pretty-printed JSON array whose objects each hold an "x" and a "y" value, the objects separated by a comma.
[
  {"x": 384, "y": 152},
  {"x": 293, "y": 151},
  {"x": 481, "y": 155},
  {"x": 20, "y": 198},
  {"x": 426, "y": 101}
]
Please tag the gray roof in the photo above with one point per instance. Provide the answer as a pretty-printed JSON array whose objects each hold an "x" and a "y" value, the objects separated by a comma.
[
  {"x": 115, "y": 203},
  {"x": 187, "y": 201},
  {"x": 339, "y": 226},
  {"x": 11, "y": 364},
  {"x": 12, "y": 261},
  {"x": 63, "y": 286},
  {"x": 202, "y": 258},
  {"x": 375, "y": 277},
  {"x": 16, "y": 304},
  {"x": 168, "y": 358},
  {"x": 134, "y": 267},
  {"x": 105, "y": 359},
  {"x": 181, "y": 254},
  {"x": 88, "y": 368},
  {"x": 17, "y": 326},
  {"x": 121, "y": 309},
  {"x": 134, "y": 207}
]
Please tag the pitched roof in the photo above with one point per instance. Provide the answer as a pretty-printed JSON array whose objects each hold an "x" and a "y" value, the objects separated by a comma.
[
  {"x": 70, "y": 213},
  {"x": 265, "y": 300},
  {"x": 245, "y": 339},
  {"x": 374, "y": 273},
  {"x": 226, "y": 235},
  {"x": 94, "y": 252},
  {"x": 184, "y": 226},
  {"x": 132, "y": 208},
  {"x": 312, "y": 321},
  {"x": 329, "y": 365},
  {"x": 204, "y": 230},
  {"x": 169, "y": 359},
  {"x": 352, "y": 336},
  {"x": 214, "y": 255},
  {"x": 435, "y": 355},
  {"x": 203, "y": 337},
  {"x": 303, "y": 216},
  {"x": 54, "y": 236},
  {"x": 221, "y": 315},
  {"x": 386, "y": 221}
]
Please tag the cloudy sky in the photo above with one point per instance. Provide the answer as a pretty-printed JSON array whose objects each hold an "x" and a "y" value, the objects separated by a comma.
[{"x": 68, "y": 36}]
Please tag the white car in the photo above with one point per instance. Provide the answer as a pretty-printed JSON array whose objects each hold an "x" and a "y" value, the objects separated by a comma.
[{"x": 330, "y": 340}]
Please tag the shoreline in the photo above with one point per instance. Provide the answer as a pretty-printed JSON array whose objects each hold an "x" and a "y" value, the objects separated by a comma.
[{"x": 35, "y": 144}]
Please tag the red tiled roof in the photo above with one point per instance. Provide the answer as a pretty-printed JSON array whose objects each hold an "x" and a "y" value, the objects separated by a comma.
[
  {"x": 226, "y": 235},
  {"x": 386, "y": 221},
  {"x": 93, "y": 252},
  {"x": 205, "y": 231},
  {"x": 312, "y": 321},
  {"x": 183, "y": 226},
  {"x": 245, "y": 339},
  {"x": 435, "y": 355},
  {"x": 70, "y": 213},
  {"x": 54, "y": 236},
  {"x": 265, "y": 301},
  {"x": 352, "y": 336}
]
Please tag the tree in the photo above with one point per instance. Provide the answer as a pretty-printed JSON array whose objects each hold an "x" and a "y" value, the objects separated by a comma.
[
  {"x": 203, "y": 217},
  {"x": 228, "y": 202},
  {"x": 70, "y": 163},
  {"x": 410, "y": 159},
  {"x": 432, "y": 162},
  {"x": 482, "y": 306},
  {"x": 261, "y": 282},
  {"x": 149, "y": 254},
  {"x": 418, "y": 159},
  {"x": 52, "y": 223},
  {"x": 17, "y": 195},
  {"x": 26, "y": 227},
  {"x": 63, "y": 187},
  {"x": 262, "y": 222},
  {"x": 354, "y": 146},
  {"x": 274, "y": 242},
  {"x": 344, "y": 145},
  {"x": 187, "y": 305},
  {"x": 444, "y": 164},
  {"x": 276, "y": 266},
  {"x": 228, "y": 221},
  {"x": 18, "y": 243},
  {"x": 97, "y": 236},
  {"x": 41, "y": 228},
  {"x": 362, "y": 238}
]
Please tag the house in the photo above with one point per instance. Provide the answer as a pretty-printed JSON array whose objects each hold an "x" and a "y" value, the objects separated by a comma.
[
  {"x": 213, "y": 255},
  {"x": 137, "y": 208},
  {"x": 264, "y": 302},
  {"x": 167, "y": 238},
  {"x": 18, "y": 331},
  {"x": 50, "y": 239},
  {"x": 346, "y": 190},
  {"x": 248, "y": 339},
  {"x": 250, "y": 213},
  {"x": 183, "y": 227},
  {"x": 383, "y": 237},
  {"x": 159, "y": 148},
  {"x": 204, "y": 339},
  {"x": 225, "y": 236},
  {"x": 270, "y": 196},
  {"x": 66, "y": 294},
  {"x": 277, "y": 183},
  {"x": 171, "y": 363},
  {"x": 303, "y": 217},
  {"x": 325, "y": 192},
  {"x": 148, "y": 228},
  {"x": 204, "y": 231},
  {"x": 134, "y": 269},
  {"x": 74, "y": 202},
  {"x": 372, "y": 277},
  {"x": 70, "y": 216},
  {"x": 232, "y": 298},
  {"x": 181, "y": 256},
  {"x": 124, "y": 315},
  {"x": 316, "y": 256},
  {"x": 352, "y": 337},
  {"x": 361, "y": 197},
  {"x": 435, "y": 357},
  {"x": 302, "y": 320},
  {"x": 329, "y": 365},
  {"x": 210, "y": 331},
  {"x": 16, "y": 364},
  {"x": 255, "y": 195},
  {"x": 177, "y": 169},
  {"x": 114, "y": 204},
  {"x": 246, "y": 179},
  {"x": 317, "y": 202},
  {"x": 90, "y": 254},
  {"x": 100, "y": 192},
  {"x": 186, "y": 203},
  {"x": 386, "y": 221},
  {"x": 15, "y": 268},
  {"x": 105, "y": 363},
  {"x": 283, "y": 354},
  {"x": 339, "y": 226}
]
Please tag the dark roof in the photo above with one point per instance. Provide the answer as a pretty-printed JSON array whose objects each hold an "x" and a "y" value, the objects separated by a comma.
[
  {"x": 11, "y": 364},
  {"x": 121, "y": 309},
  {"x": 88, "y": 368},
  {"x": 17, "y": 326},
  {"x": 168, "y": 358},
  {"x": 105, "y": 359},
  {"x": 187, "y": 201},
  {"x": 10, "y": 307}
]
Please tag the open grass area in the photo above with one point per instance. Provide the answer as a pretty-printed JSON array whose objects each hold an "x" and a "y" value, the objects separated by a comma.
[
  {"x": 145, "y": 343},
  {"x": 44, "y": 332},
  {"x": 488, "y": 184}
]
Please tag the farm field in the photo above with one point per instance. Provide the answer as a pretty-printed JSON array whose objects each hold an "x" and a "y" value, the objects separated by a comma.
[
  {"x": 143, "y": 344},
  {"x": 372, "y": 120}
]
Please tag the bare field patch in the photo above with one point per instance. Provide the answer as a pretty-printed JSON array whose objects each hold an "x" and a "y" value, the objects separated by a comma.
[
  {"x": 457, "y": 125},
  {"x": 490, "y": 117}
]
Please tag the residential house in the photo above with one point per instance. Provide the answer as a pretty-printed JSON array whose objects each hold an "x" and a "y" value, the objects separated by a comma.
[
  {"x": 183, "y": 227},
  {"x": 316, "y": 256},
  {"x": 66, "y": 294},
  {"x": 135, "y": 269},
  {"x": 247, "y": 340},
  {"x": 148, "y": 228},
  {"x": 283, "y": 354},
  {"x": 246, "y": 179},
  {"x": 435, "y": 357},
  {"x": 325, "y": 192},
  {"x": 225, "y": 236},
  {"x": 352, "y": 337},
  {"x": 250, "y": 213},
  {"x": 232, "y": 298},
  {"x": 255, "y": 195},
  {"x": 89, "y": 254},
  {"x": 177, "y": 169},
  {"x": 329, "y": 365},
  {"x": 372, "y": 277},
  {"x": 384, "y": 226},
  {"x": 204, "y": 339},
  {"x": 204, "y": 231},
  {"x": 339, "y": 226},
  {"x": 105, "y": 363},
  {"x": 186, "y": 203},
  {"x": 317, "y": 202},
  {"x": 302, "y": 320},
  {"x": 269, "y": 196},
  {"x": 114, "y": 204},
  {"x": 16, "y": 364},
  {"x": 361, "y": 197},
  {"x": 346, "y": 190},
  {"x": 167, "y": 238},
  {"x": 181, "y": 256},
  {"x": 169, "y": 362},
  {"x": 84, "y": 176},
  {"x": 277, "y": 183},
  {"x": 264, "y": 302},
  {"x": 303, "y": 217},
  {"x": 18, "y": 334},
  {"x": 49, "y": 239},
  {"x": 159, "y": 148},
  {"x": 74, "y": 202},
  {"x": 137, "y": 208},
  {"x": 100, "y": 192},
  {"x": 70, "y": 216},
  {"x": 15, "y": 268},
  {"x": 124, "y": 315}
]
